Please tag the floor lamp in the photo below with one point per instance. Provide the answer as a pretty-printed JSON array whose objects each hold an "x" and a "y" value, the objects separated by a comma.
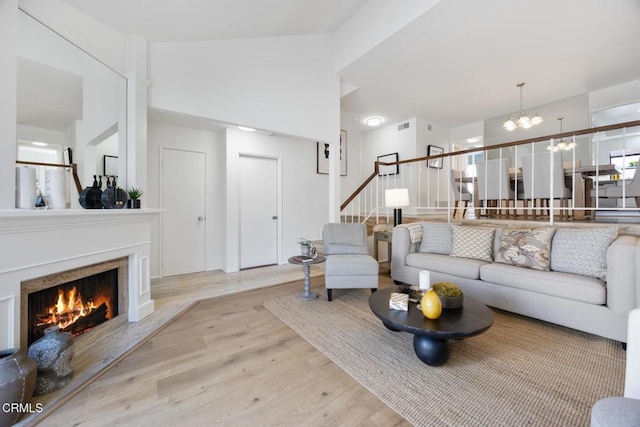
[{"x": 396, "y": 198}]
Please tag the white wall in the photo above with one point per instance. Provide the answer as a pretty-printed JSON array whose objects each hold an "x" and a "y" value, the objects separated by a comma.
[
  {"x": 614, "y": 96},
  {"x": 435, "y": 185},
  {"x": 212, "y": 144},
  {"x": 349, "y": 183},
  {"x": 280, "y": 84},
  {"x": 8, "y": 102},
  {"x": 304, "y": 192}
]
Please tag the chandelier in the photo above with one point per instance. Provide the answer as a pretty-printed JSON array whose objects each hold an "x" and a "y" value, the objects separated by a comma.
[
  {"x": 562, "y": 144},
  {"x": 523, "y": 120}
]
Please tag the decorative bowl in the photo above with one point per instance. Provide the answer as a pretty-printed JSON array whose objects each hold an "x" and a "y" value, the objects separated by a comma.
[{"x": 451, "y": 302}]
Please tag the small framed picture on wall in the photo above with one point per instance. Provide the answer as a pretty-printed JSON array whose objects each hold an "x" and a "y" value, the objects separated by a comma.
[
  {"x": 388, "y": 169},
  {"x": 433, "y": 150},
  {"x": 323, "y": 151}
]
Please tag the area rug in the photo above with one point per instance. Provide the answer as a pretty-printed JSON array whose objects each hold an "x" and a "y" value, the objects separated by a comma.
[{"x": 520, "y": 372}]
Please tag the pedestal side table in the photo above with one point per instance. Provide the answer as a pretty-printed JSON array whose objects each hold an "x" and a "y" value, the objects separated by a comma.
[{"x": 307, "y": 294}]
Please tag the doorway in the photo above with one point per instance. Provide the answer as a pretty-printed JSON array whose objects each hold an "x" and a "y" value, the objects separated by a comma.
[
  {"x": 258, "y": 211},
  {"x": 183, "y": 197}
]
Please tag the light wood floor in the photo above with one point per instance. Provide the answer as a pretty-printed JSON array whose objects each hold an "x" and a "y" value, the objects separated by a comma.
[{"x": 227, "y": 361}]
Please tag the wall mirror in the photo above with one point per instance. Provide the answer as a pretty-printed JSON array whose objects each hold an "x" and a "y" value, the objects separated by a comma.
[{"x": 67, "y": 99}]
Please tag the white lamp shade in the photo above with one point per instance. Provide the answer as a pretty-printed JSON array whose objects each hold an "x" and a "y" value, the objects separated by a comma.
[{"x": 396, "y": 197}]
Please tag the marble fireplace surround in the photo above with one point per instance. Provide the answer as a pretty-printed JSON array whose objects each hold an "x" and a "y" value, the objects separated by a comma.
[{"x": 36, "y": 244}]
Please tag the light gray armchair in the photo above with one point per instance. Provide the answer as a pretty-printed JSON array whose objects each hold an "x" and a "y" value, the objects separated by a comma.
[
  {"x": 624, "y": 411},
  {"x": 349, "y": 264}
]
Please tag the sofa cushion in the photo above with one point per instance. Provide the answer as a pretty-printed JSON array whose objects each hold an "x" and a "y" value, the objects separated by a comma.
[
  {"x": 525, "y": 247},
  {"x": 351, "y": 265},
  {"x": 473, "y": 243},
  {"x": 437, "y": 238},
  {"x": 462, "y": 267},
  {"x": 582, "y": 250},
  {"x": 562, "y": 285}
]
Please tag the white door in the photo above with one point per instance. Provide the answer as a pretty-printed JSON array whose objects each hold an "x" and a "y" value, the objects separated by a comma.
[
  {"x": 183, "y": 222},
  {"x": 258, "y": 211}
]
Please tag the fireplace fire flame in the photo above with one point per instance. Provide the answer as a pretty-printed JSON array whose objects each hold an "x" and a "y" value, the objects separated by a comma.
[{"x": 70, "y": 307}]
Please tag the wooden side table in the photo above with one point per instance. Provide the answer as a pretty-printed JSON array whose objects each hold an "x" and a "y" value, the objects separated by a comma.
[
  {"x": 382, "y": 236},
  {"x": 307, "y": 294}
]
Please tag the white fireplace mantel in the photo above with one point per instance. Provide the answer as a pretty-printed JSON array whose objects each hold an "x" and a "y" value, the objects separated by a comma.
[{"x": 40, "y": 243}]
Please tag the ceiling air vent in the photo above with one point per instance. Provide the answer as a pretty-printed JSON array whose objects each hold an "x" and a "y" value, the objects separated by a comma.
[{"x": 403, "y": 126}]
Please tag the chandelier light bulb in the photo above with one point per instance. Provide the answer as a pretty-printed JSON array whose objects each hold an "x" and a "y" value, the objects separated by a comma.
[
  {"x": 509, "y": 125},
  {"x": 536, "y": 120}
]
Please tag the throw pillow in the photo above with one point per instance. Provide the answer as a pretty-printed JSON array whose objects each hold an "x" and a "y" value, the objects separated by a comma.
[
  {"x": 473, "y": 242},
  {"x": 437, "y": 238},
  {"x": 525, "y": 247},
  {"x": 582, "y": 251},
  {"x": 346, "y": 234}
]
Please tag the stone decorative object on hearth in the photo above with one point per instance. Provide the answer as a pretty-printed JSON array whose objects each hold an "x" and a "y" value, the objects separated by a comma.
[
  {"x": 17, "y": 380},
  {"x": 54, "y": 355}
]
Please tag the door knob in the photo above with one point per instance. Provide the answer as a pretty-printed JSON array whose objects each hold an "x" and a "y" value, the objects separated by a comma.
[
  {"x": 274, "y": 217},
  {"x": 200, "y": 218}
]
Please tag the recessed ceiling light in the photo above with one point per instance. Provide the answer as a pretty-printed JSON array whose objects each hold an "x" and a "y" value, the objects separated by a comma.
[
  {"x": 246, "y": 129},
  {"x": 374, "y": 121},
  {"x": 42, "y": 144},
  {"x": 472, "y": 140}
]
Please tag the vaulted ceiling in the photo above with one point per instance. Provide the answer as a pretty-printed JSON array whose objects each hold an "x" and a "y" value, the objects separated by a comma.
[{"x": 457, "y": 63}]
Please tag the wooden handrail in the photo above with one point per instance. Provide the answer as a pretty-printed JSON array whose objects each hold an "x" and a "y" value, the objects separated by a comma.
[
  {"x": 586, "y": 131},
  {"x": 362, "y": 186},
  {"x": 73, "y": 167}
]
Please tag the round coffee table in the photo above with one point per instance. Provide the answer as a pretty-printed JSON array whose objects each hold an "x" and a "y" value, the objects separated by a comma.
[
  {"x": 431, "y": 337},
  {"x": 307, "y": 294}
]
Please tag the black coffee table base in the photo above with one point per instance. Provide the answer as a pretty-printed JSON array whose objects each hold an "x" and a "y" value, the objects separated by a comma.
[
  {"x": 431, "y": 336},
  {"x": 432, "y": 351}
]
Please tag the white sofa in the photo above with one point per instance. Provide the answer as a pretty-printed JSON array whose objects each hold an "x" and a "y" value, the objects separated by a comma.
[{"x": 584, "y": 303}]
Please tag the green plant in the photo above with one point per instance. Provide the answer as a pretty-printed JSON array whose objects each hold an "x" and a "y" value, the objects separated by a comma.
[
  {"x": 633, "y": 163},
  {"x": 305, "y": 242},
  {"x": 134, "y": 193},
  {"x": 446, "y": 289}
]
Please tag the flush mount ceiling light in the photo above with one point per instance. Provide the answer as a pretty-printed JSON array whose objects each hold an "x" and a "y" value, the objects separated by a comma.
[
  {"x": 374, "y": 121},
  {"x": 41, "y": 144},
  {"x": 562, "y": 144},
  {"x": 523, "y": 120},
  {"x": 246, "y": 129}
]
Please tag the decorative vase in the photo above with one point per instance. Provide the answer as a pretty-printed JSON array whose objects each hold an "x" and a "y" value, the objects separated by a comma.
[
  {"x": 305, "y": 250},
  {"x": 431, "y": 305},
  {"x": 54, "y": 355},
  {"x": 17, "y": 381},
  {"x": 133, "y": 204}
]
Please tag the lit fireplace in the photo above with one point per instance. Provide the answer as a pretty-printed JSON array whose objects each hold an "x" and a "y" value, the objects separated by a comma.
[{"x": 76, "y": 306}]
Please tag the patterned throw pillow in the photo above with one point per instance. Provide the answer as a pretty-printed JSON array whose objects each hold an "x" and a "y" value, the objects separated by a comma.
[
  {"x": 437, "y": 238},
  {"x": 346, "y": 234},
  {"x": 582, "y": 251},
  {"x": 525, "y": 247},
  {"x": 473, "y": 242}
]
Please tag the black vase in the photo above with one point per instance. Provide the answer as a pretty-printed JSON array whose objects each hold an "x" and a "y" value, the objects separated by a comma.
[
  {"x": 54, "y": 355},
  {"x": 17, "y": 381},
  {"x": 133, "y": 204}
]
